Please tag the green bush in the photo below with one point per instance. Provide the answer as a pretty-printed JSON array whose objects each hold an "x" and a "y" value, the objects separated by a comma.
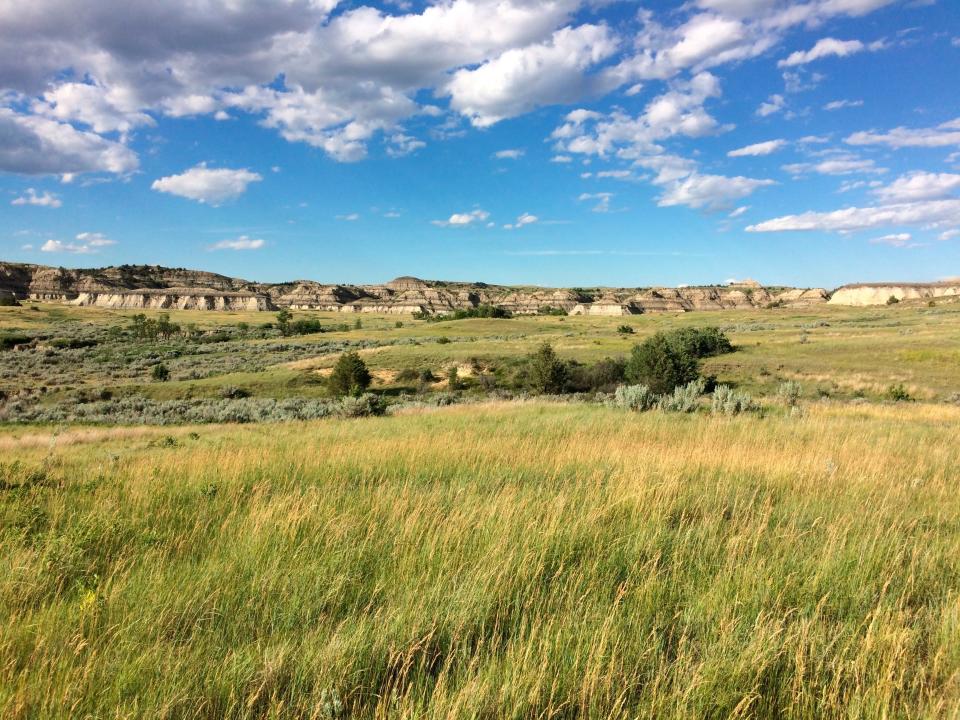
[
  {"x": 9, "y": 300},
  {"x": 232, "y": 392},
  {"x": 603, "y": 376},
  {"x": 893, "y": 300},
  {"x": 550, "y": 310},
  {"x": 8, "y": 342},
  {"x": 625, "y": 330},
  {"x": 701, "y": 342},
  {"x": 305, "y": 327},
  {"x": 898, "y": 393},
  {"x": 350, "y": 375},
  {"x": 160, "y": 372},
  {"x": 480, "y": 311},
  {"x": 547, "y": 373},
  {"x": 661, "y": 364}
]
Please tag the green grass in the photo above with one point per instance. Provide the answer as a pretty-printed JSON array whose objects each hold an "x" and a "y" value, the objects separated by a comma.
[
  {"x": 511, "y": 560},
  {"x": 841, "y": 352}
]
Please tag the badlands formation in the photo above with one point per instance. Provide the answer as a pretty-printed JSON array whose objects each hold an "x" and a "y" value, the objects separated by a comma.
[{"x": 155, "y": 287}]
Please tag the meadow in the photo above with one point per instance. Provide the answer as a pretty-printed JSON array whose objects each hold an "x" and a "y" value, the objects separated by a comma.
[
  {"x": 506, "y": 560},
  {"x": 505, "y": 556}
]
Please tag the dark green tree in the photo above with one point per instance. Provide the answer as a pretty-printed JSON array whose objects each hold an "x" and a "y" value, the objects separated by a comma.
[
  {"x": 283, "y": 321},
  {"x": 661, "y": 365},
  {"x": 453, "y": 379},
  {"x": 350, "y": 375},
  {"x": 548, "y": 373},
  {"x": 160, "y": 373}
]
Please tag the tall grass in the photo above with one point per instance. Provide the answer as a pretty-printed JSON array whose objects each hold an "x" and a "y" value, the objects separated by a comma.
[{"x": 521, "y": 561}]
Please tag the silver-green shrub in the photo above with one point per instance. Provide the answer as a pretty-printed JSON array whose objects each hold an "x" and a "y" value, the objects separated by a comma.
[
  {"x": 634, "y": 397},
  {"x": 789, "y": 392},
  {"x": 727, "y": 401},
  {"x": 685, "y": 399}
]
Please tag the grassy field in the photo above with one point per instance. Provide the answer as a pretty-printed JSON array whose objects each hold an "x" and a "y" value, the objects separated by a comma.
[
  {"x": 516, "y": 560},
  {"x": 512, "y": 558},
  {"x": 842, "y": 353}
]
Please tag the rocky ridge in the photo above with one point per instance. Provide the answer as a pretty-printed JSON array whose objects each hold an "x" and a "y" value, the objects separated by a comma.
[{"x": 156, "y": 287}]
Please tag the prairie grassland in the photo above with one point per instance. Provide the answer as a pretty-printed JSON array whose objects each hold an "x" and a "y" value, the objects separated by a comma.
[
  {"x": 838, "y": 352},
  {"x": 521, "y": 560}
]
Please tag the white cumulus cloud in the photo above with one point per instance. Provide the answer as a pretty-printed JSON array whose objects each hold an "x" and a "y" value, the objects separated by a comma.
[
  {"x": 241, "y": 243},
  {"x": 207, "y": 185},
  {"x": 930, "y": 213},
  {"x": 463, "y": 219},
  {"x": 761, "y": 148},
  {"x": 44, "y": 199},
  {"x": 919, "y": 185},
  {"x": 824, "y": 48},
  {"x": 87, "y": 244},
  {"x": 942, "y": 135},
  {"x": 34, "y": 145},
  {"x": 900, "y": 240}
]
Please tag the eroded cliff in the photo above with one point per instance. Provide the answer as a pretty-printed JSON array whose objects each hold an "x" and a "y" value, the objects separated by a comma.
[{"x": 152, "y": 286}]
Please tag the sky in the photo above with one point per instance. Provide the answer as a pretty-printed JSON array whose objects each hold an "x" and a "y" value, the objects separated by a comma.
[{"x": 553, "y": 142}]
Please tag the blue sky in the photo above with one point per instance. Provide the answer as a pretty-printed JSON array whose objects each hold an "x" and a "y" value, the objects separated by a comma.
[{"x": 800, "y": 142}]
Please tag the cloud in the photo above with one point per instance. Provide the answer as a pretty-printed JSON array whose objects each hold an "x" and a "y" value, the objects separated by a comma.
[
  {"x": 351, "y": 217},
  {"x": 402, "y": 145},
  {"x": 561, "y": 159},
  {"x": 927, "y": 213},
  {"x": 824, "y": 48},
  {"x": 919, "y": 185},
  {"x": 88, "y": 244},
  {"x": 773, "y": 105},
  {"x": 522, "y": 79},
  {"x": 942, "y": 135},
  {"x": 338, "y": 80},
  {"x": 101, "y": 108},
  {"x": 709, "y": 192},
  {"x": 841, "y": 104},
  {"x": 207, "y": 185},
  {"x": 524, "y": 219},
  {"x": 761, "y": 148},
  {"x": 95, "y": 239},
  {"x": 602, "y": 198},
  {"x": 841, "y": 164},
  {"x": 241, "y": 243},
  {"x": 949, "y": 234},
  {"x": 679, "y": 111},
  {"x": 739, "y": 211},
  {"x": 463, "y": 219},
  {"x": 615, "y": 174},
  {"x": 32, "y": 145},
  {"x": 848, "y": 185},
  {"x": 47, "y": 199},
  {"x": 900, "y": 240},
  {"x": 512, "y": 154}
]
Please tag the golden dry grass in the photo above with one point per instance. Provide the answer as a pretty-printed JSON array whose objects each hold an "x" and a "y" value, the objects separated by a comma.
[{"x": 521, "y": 560}]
